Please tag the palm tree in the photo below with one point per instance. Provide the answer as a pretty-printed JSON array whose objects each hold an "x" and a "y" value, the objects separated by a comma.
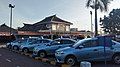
[{"x": 98, "y": 4}]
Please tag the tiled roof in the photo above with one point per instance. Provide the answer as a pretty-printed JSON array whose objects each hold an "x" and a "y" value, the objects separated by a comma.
[
  {"x": 32, "y": 27},
  {"x": 5, "y": 28},
  {"x": 52, "y": 18},
  {"x": 27, "y": 27}
]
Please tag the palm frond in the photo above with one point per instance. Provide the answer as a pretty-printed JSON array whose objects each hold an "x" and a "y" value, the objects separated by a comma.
[
  {"x": 92, "y": 6},
  {"x": 101, "y": 5},
  {"x": 88, "y": 3},
  {"x": 106, "y": 3}
]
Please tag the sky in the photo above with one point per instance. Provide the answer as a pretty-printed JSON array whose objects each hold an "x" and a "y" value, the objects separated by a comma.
[{"x": 32, "y": 11}]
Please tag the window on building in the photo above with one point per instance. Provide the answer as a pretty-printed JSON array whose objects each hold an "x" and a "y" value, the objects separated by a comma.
[
  {"x": 53, "y": 27},
  {"x": 67, "y": 28},
  {"x": 61, "y": 27}
]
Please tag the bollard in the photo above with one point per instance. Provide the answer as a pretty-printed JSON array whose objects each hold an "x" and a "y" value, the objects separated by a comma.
[{"x": 85, "y": 64}]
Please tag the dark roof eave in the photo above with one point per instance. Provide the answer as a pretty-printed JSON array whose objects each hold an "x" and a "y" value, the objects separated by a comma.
[
  {"x": 56, "y": 22},
  {"x": 71, "y": 23},
  {"x": 43, "y": 23},
  {"x": 62, "y": 22}
]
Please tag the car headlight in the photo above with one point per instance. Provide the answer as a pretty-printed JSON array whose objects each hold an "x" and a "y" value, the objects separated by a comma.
[
  {"x": 59, "y": 52},
  {"x": 8, "y": 43},
  {"x": 34, "y": 49}
]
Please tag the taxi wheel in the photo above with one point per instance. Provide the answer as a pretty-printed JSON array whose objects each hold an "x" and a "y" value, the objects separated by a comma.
[
  {"x": 9, "y": 46},
  {"x": 15, "y": 48},
  {"x": 71, "y": 60},
  {"x": 116, "y": 59},
  {"x": 25, "y": 50},
  {"x": 42, "y": 54}
]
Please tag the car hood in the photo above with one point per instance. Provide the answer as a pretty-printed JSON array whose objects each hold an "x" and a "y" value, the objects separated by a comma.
[
  {"x": 15, "y": 43},
  {"x": 66, "y": 49}
]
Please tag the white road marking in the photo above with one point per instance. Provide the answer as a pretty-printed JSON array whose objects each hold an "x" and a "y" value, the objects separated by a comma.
[{"x": 8, "y": 60}]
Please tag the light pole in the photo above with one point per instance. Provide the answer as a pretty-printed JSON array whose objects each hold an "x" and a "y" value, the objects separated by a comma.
[
  {"x": 11, "y": 6},
  {"x": 91, "y": 23}
]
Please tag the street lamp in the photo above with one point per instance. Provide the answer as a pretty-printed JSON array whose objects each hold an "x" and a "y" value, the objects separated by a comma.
[
  {"x": 91, "y": 23},
  {"x": 11, "y": 6}
]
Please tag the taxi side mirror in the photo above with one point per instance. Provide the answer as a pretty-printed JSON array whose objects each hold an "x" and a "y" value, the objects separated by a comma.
[{"x": 80, "y": 47}]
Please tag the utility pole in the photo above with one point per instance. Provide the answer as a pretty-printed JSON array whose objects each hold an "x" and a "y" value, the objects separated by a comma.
[{"x": 11, "y": 7}]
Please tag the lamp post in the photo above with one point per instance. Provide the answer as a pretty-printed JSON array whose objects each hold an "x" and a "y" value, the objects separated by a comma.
[
  {"x": 91, "y": 23},
  {"x": 11, "y": 7}
]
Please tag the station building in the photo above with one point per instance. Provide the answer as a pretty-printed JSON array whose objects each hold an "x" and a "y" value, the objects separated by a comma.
[{"x": 49, "y": 25}]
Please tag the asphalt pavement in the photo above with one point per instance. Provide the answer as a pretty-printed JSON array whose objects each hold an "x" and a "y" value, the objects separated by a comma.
[{"x": 11, "y": 59}]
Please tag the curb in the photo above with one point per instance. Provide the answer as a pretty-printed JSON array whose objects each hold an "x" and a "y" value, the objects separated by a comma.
[
  {"x": 53, "y": 62},
  {"x": 65, "y": 65},
  {"x": 22, "y": 53},
  {"x": 45, "y": 60},
  {"x": 30, "y": 56},
  {"x": 26, "y": 54},
  {"x": 37, "y": 58}
]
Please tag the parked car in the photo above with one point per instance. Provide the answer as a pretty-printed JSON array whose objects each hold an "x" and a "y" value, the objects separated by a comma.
[
  {"x": 15, "y": 42},
  {"x": 49, "y": 49},
  {"x": 24, "y": 41},
  {"x": 90, "y": 49},
  {"x": 30, "y": 46}
]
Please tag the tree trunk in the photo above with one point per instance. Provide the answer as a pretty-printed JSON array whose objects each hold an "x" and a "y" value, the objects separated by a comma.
[{"x": 96, "y": 27}]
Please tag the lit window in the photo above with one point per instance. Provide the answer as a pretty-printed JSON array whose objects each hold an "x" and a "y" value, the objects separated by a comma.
[
  {"x": 53, "y": 27},
  {"x": 67, "y": 28}
]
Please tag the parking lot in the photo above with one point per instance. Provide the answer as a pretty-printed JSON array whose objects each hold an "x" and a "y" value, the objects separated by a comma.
[{"x": 11, "y": 58}]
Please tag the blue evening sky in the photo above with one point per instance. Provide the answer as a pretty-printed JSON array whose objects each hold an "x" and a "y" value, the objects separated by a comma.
[{"x": 32, "y": 11}]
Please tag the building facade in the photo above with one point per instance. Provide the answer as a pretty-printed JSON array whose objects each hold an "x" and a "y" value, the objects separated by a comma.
[{"x": 51, "y": 24}]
